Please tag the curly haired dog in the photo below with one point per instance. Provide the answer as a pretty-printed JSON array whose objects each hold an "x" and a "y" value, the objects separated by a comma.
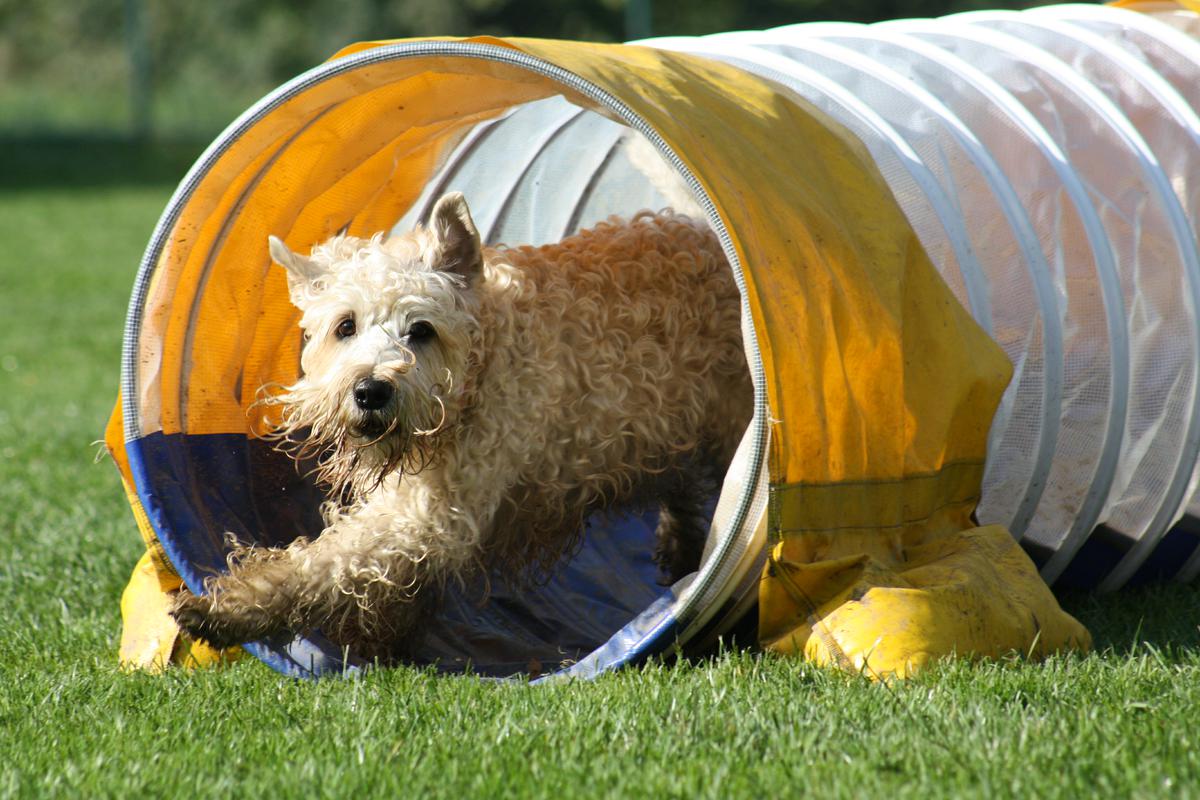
[{"x": 469, "y": 407}]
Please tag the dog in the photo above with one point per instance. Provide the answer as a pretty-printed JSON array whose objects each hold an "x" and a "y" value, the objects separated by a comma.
[{"x": 470, "y": 407}]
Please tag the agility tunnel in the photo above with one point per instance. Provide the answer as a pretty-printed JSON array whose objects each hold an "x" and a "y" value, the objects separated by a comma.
[{"x": 967, "y": 254}]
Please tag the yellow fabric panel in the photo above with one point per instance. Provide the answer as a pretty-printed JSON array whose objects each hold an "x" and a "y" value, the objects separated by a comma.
[
  {"x": 150, "y": 639},
  {"x": 874, "y": 369},
  {"x": 180, "y": 276},
  {"x": 857, "y": 504},
  {"x": 148, "y": 634}
]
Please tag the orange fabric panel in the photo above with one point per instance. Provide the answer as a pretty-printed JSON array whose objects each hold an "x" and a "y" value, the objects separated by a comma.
[{"x": 349, "y": 166}]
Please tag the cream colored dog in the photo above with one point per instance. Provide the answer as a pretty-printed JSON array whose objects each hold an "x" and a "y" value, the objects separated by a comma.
[{"x": 470, "y": 407}]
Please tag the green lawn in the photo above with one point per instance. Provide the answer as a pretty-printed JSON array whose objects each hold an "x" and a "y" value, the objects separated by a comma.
[{"x": 1124, "y": 721}]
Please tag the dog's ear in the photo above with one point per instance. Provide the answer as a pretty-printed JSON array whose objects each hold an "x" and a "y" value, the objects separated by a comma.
[
  {"x": 301, "y": 271},
  {"x": 459, "y": 248}
]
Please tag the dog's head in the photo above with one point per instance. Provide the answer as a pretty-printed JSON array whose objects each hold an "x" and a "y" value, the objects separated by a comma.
[{"x": 390, "y": 335}]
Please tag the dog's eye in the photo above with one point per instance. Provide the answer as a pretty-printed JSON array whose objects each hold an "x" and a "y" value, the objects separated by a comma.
[
  {"x": 346, "y": 328},
  {"x": 419, "y": 330}
]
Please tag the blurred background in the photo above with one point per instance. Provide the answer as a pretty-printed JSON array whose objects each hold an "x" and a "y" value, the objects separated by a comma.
[{"x": 181, "y": 71}]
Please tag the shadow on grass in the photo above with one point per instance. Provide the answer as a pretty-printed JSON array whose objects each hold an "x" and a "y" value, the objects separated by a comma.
[
  {"x": 1164, "y": 615},
  {"x": 84, "y": 161}
]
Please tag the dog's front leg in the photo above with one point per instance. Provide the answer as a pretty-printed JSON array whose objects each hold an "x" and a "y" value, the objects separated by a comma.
[{"x": 361, "y": 580}]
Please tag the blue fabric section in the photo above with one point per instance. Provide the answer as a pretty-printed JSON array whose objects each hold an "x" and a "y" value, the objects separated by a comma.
[
  {"x": 599, "y": 610},
  {"x": 608, "y": 582},
  {"x": 1091, "y": 563},
  {"x": 189, "y": 517},
  {"x": 305, "y": 658},
  {"x": 195, "y": 489},
  {"x": 1105, "y": 548},
  {"x": 1171, "y": 553},
  {"x": 650, "y": 633}
]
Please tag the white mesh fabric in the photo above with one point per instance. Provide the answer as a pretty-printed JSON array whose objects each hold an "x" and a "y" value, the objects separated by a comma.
[
  {"x": 1170, "y": 52},
  {"x": 1141, "y": 216},
  {"x": 1029, "y": 183},
  {"x": 1167, "y": 124}
]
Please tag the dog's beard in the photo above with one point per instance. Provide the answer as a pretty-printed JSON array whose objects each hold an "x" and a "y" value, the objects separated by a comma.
[{"x": 353, "y": 450}]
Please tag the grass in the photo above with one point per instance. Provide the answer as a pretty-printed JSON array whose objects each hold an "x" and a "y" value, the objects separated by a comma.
[{"x": 1123, "y": 721}]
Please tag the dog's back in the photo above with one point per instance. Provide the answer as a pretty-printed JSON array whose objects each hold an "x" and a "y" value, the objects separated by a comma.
[{"x": 616, "y": 356}]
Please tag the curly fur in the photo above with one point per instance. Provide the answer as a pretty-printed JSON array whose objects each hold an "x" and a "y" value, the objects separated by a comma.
[{"x": 559, "y": 380}]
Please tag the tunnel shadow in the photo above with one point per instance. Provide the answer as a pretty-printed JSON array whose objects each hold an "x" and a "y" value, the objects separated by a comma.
[{"x": 1165, "y": 616}]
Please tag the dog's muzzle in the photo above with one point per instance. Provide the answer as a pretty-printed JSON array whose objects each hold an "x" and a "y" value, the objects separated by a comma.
[{"x": 371, "y": 394}]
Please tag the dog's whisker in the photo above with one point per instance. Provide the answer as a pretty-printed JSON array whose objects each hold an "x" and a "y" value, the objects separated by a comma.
[
  {"x": 372, "y": 442},
  {"x": 441, "y": 422},
  {"x": 400, "y": 365}
]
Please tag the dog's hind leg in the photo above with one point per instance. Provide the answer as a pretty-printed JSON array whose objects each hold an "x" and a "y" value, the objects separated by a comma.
[{"x": 682, "y": 530}]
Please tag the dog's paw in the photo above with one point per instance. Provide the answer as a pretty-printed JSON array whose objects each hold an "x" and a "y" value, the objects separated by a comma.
[{"x": 195, "y": 615}]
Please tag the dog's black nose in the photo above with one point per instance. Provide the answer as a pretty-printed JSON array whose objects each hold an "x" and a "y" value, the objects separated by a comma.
[{"x": 372, "y": 395}]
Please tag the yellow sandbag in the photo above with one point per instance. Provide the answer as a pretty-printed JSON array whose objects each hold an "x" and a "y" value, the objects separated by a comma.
[{"x": 971, "y": 593}]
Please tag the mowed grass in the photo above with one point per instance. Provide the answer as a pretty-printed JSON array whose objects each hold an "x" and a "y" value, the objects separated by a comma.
[{"x": 1123, "y": 721}]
